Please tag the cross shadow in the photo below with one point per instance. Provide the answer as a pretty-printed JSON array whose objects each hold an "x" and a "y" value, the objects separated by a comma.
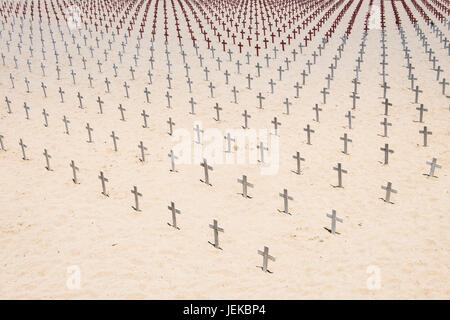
[
  {"x": 281, "y": 211},
  {"x": 260, "y": 267},
  {"x": 329, "y": 230},
  {"x": 173, "y": 226},
  {"x": 247, "y": 197},
  {"x": 387, "y": 201},
  {"x": 214, "y": 245},
  {"x": 296, "y": 172},
  {"x": 209, "y": 184},
  {"x": 336, "y": 186},
  {"x": 136, "y": 209},
  {"x": 426, "y": 174}
]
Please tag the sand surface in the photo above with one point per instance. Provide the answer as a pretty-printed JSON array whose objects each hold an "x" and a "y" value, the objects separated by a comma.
[{"x": 52, "y": 230}]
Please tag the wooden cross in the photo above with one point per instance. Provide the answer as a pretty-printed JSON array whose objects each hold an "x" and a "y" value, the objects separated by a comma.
[
  {"x": 147, "y": 92},
  {"x": 143, "y": 149},
  {"x": 385, "y": 87},
  {"x": 421, "y": 110},
  {"x": 136, "y": 199},
  {"x": 299, "y": 159},
  {"x": 245, "y": 184},
  {"x": 308, "y": 133},
  {"x": 386, "y": 152},
  {"x": 217, "y": 108},
  {"x": 216, "y": 229},
  {"x": 286, "y": 198},
  {"x": 350, "y": 117},
  {"x": 417, "y": 91},
  {"x": 126, "y": 86},
  {"x": 389, "y": 190},
  {"x": 206, "y": 167},
  {"x": 345, "y": 139},
  {"x": 193, "y": 103},
  {"x": 74, "y": 170},
  {"x": 275, "y": 123},
  {"x": 385, "y": 124},
  {"x": 122, "y": 109},
  {"x": 26, "y": 107},
  {"x": 260, "y": 98},
  {"x": 174, "y": 215},
  {"x": 324, "y": 92},
  {"x": 425, "y": 133},
  {"x": 433, "y": 165},
  {"x": 43, "y": 86},
  {"x": 340, "y": 171},
  {"x": 266, "y": 258},
  {"x": 47, "y": 161},
  {"x": 235, "y": 92},
  {"x": 334, "y": 218},
  {"x": 229, "y": 139},
  {"x": 287, "y": 104},
  {"x": 66, "y": 122},
  {"x": 100, "y": 102},
  {"x": 89, "y": 129},
  {"x": 171, "y": 124},
  {"x": 172, "y": 157},
  {"x": 261, "y": 148},
  {"x": 8, "y": 104},
  {"x": 198, "y": 131},
  {"x": 249, "y": 78},
  {"x": 113, "y": 135},
  {"x": 103, "y": 179},
  {"x": 246, "y": 116},
  {"x": 354, "y": 97}
]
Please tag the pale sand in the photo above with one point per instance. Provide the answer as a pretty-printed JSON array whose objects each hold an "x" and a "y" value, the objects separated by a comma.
[{"x": 47, "y": 223}]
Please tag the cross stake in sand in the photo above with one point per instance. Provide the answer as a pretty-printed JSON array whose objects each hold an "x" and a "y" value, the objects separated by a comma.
[
  {"x": 74, "y": 171},
  {"x": 115, "y": 138},
  {"x": 421, "y": 110},
  {"x": 389, "y": 190},
  {"x": 340, "y": 171},
  {"x": 136, "y": 199},
  {"x": 103, "y": 179},
  {"x": 47, "y": 161},
  {"x": 346, "y": 140},
  {"x": 143, "y": 149},
  {"x": 385, "y": 124},
  {"x": 23, "y": 146},
  {"x": 433, "y": 165},
  {"x": 299, "y": 159},
  {"x": 216, "y": 229},
  {"x": 317, "y": 109},
  {"x": 286, "y": 198},
  {"x": 308, "y": 133},
  {"x": 172, "y": 157},
  {"x": 334, "y": 218},
  {"x": 266, "y": 258},
  {"x": 245, "y": 184},
  {"x": 89, "y": 129},
  {"x": 425, "y": 133},
  {"x": 174, "y": 215},
  {"x": 246, "y": 117},
  {"x": 206, "y": 167},
  {"x": 386, "y": 152},
  {"x": 228, "y": 138},
  {"x": 2, "y": 146}
]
